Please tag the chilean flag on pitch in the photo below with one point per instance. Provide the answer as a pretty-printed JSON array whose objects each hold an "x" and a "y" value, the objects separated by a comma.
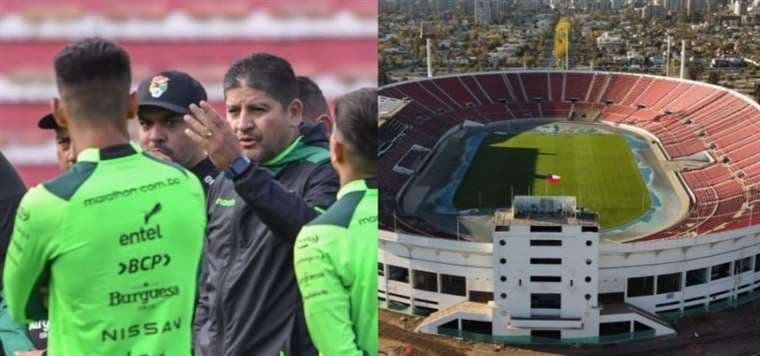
[{"x": 553, "y": 178}]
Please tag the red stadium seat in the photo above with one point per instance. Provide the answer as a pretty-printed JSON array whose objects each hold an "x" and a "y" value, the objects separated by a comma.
[{"x": 686, "y": 117}]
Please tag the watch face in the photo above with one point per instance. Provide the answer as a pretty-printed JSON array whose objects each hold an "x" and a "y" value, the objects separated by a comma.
[
  {"x": 237, "y": 167},
  {"x": 240, "y": 165}
]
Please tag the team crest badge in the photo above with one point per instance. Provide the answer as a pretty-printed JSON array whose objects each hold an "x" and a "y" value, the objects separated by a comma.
[{"x": 158, "y": 85}]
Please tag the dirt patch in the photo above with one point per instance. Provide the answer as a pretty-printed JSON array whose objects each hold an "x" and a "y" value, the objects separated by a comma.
[{"x": 397, "y": 338}]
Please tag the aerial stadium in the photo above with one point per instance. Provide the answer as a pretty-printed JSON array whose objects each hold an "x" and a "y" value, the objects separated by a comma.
[{"x": 540, "y": 206}]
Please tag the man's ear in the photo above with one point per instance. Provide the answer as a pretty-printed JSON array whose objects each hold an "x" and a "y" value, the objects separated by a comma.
[
  {"x": 71, "y": 153},
  {"x": 58, "y": 114},
  {"x": 132, "y": 106},
  {"x": 325, "y": 120},
  {"x": 337, "y": 151},
  {"x": 295, "y": 112}
]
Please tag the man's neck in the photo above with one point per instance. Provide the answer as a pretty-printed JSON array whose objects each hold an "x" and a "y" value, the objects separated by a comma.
[
  {"x": 99, "y": 137},
  {"x": 348, "y": 176},
  {"x": 293, "y": 136}
]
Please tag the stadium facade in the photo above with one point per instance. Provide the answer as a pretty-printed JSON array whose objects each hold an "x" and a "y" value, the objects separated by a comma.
[{"x": 538, "y": 278}]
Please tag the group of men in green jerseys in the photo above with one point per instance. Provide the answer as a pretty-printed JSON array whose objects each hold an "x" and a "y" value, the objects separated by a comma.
[{"x": 254, "y": 234}]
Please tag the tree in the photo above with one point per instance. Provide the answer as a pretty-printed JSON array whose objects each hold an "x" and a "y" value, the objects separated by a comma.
[
  {"x": 682, "y": 17},
  {"x": 530, "y": 60},
  {"x": 695, "y": 70},
  {"x": 383, "y": 76},
  {"x": 493, "y": 43},
  {"x": 713, "y": 77}
]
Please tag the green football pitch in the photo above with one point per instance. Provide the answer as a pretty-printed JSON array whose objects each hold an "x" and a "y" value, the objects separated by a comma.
[{"x": 598, "y": 169}]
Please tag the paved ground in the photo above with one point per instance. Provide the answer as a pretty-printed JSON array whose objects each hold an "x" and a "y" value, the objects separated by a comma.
[{"x": 733, "y": 332}]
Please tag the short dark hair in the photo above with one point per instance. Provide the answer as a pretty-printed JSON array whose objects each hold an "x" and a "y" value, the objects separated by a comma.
[
  {"x": 314, "y": 102},
  {"x": 266, "y": 72},
  {"x": 94, "y": 77},
  {"x": 356, "y": 120}
]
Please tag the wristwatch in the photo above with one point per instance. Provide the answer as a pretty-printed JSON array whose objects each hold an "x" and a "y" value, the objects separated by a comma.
[{"x": 238, "y": 167}]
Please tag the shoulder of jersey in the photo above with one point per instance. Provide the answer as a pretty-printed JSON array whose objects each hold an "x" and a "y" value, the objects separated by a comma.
[{"x": 341, "y": 213}]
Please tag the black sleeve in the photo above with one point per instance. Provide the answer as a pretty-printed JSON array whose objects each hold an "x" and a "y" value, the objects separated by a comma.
[
  {"x": 12, "y": 191},
  {"x": 282, "y": 211},
  {"x": 200, "y": 317},
  {"x": 10, "y": 181}
]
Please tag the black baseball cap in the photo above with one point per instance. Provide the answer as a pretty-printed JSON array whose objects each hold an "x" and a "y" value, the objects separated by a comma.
[
  {"x": 47, "y": 122},
  {"x": 171, "y": 90}
]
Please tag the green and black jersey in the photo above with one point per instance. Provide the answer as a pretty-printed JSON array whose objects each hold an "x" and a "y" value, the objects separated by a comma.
[
  {"x": 117, "y": 238},
  {"x": 336, "y": 268}
]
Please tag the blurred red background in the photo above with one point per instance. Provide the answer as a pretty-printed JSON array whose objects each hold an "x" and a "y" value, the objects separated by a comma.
[{"x": 332, "y": 41}]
